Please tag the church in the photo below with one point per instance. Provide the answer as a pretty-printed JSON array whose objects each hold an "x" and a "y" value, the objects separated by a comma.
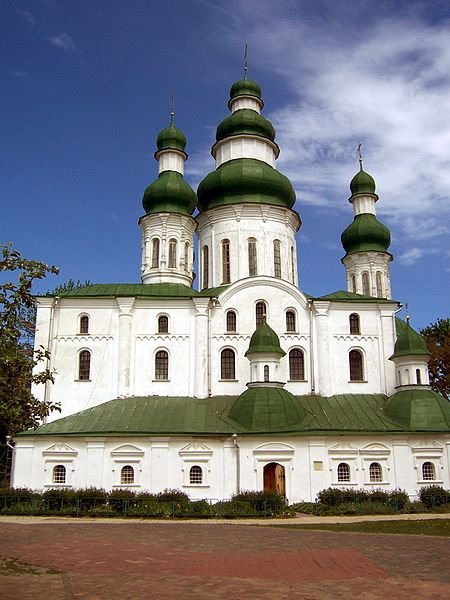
[{"x": 244, "y": 382}]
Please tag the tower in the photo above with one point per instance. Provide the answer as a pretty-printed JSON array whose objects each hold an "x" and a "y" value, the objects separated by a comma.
[
  {"x": 366, "y": 241},
  {"x": 245, "y": 205},
  {"x": 168, "y": 226}
]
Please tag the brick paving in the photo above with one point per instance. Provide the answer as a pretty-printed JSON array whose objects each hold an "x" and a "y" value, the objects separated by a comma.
[{"x": 130, "y": 560}]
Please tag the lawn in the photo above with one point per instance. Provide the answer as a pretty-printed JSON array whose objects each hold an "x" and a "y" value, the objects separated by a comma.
[{"x": 439, "y": 527}]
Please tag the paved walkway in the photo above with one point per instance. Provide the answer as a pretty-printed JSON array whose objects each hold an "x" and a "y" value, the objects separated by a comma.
[{"x": 42, "y": 558}]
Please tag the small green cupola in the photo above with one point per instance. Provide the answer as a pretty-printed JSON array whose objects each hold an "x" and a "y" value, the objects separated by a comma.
[
  {"x": 362, "y": 183},
  {"x": 245, "y": 88},
  {"x": 409, "y": 342},
  {"x": 171, "y": 138},
  {"x": 264, "y": 354},
  {"x": 265, "y": 340},
  {"x": 366, "y": 233},
  {"x": 410, "y": 357}
]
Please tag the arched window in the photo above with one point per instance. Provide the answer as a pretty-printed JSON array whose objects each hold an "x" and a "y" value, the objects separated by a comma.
[
  {"x": 354, "y": 324},
  {"x": 162, "y": 365},
  {"x": 59, "y": 474},
  {"x": 266, "y": 373},
  {"x": 290, "y": 320},
  {"x": 172, "y": 264},
  {"x": 260, "y": 312},
  {"x": 226, "y": 276},
  {"x": 195, "y": 475},
  {"x": 205, "y": 261},
  {"x": 227, "y": 364},
  {"x": 428, "y": 471},
  {"x": 231, "y": 321},
  {"x": 84, "y": 324},
  {"x": 296, "y": 365},
  {"x": 252, "y": 258},
  {"x": 186, "y": 256},
  {"x": 84, "y": 365},
  {"x": 375, "y": 473},
  {"x": 163, "y": 324},
  {"x": 127, "y": 475},
  {"x": 378, "y": 279},
  {"x": 155, "y": 253},
  {"x": 418, "y": 377},
  {"x": 365, "y": 284},
  {"x": 292, "y": 264},
  {"x": 355, "y": 360},
  {"x": 277, "y": 258},
  {"x": 353, "y": 284},
  {"x": 343, "y": 472}
]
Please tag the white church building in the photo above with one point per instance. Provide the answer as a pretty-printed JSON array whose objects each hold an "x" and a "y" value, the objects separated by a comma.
[{"x": 247, "y": 383}]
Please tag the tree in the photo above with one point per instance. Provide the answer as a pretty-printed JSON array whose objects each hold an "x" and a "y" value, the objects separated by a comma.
[
  {"x": 437, "y": 337},
  {"x": 19, "y": 362}
]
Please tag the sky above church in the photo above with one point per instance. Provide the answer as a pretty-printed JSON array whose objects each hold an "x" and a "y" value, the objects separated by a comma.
[{"x": 86, "y": 86}]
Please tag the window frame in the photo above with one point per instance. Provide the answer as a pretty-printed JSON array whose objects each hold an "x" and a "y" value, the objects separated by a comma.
[
  {"x": 186, "y": 256},
  {"x": 83, "y": 324},
  {"x": 163, "y": 328},
  {"x": 365, "y": 282},
  {"x": 226, "y": 261},
  {"x": 354, "y": 323},
  {"x": 231, "y": 318},
  {"x": 205, "y": 267},
  {"x": 260, "y": 312},
  {"x": 375, "y": 472},
  {"x": 429, "y": 466},
  {"x": 228, "y": 364},
  {"x": 62, "y": 470},
  {"x": 172, "y": 253},
  {"x": 343, "y": 473},
  {"x": 291, "y": 321},
  {"x": 252, "y": 257},
  {"x": 84, "y": 371},
  {"x": 156, "y": 247},
  {"x": 161, "y": 365},
  {"x": 356, "y": 369},
  {"x": 125, "y": 478},
  {"x": 277, "y": 258},
  {"x": 379, "y": 283},
  {"x": 294, "y": 366},
  {"x": 196, "y": 472}
]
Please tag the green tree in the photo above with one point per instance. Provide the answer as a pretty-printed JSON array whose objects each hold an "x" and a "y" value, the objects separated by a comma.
[
  {"x": 437, "y": 337},
  {"x": 19, "y": 362}
]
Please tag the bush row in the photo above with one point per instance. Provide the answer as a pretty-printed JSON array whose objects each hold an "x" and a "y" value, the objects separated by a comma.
[
  {"x": 169, "y": 503},
  {"x": 395, "y": 499}
]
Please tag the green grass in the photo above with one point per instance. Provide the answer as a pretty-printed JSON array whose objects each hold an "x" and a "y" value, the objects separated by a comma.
[{"x": 437, "y": 527}]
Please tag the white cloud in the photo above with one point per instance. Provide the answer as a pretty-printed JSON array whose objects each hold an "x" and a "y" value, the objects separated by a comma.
[
  {"x": 63, "y": 41},
  {"x": 27, "y": 17},
  {"x": 410, "y": 257}
]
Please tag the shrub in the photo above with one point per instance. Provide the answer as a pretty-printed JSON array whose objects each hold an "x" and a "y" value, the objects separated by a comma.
[
  {"x": 434, "y": 495},
  {"x": 263, "y": 502},
  {"x": 398, "y": 499},
  {"x": 121, "y": 500}
]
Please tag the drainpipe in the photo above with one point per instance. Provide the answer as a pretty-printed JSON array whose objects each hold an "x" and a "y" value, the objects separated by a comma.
[
  {"x": 238, "y": 463},
  {"x": 311, "y": 347},
  {"x": 50, "y": 347}
]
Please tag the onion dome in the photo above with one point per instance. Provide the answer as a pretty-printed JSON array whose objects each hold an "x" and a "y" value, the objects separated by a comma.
[
  {"x": 171, "y": 138},
  {"x": 245, "y": 87},
  {"x": 419, "y": 410},
  {"x": 245, "y": 180},
  {"x": 265, "y": 340},
  {"x": 245, "y": 121},
  {"x": 266, "y": 409},
  {"x": 362, "y": 183},
  {"x": 169, "y": 193},
  {"x": 409, "y": 342},
  {"x": 366, "y": 234}
]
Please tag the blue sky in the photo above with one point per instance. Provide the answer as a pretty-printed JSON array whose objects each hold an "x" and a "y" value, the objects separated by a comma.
[{"x": 86, "y": 88}]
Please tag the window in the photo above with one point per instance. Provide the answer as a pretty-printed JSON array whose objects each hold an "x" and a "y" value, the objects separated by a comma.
[
  {"x": 162, "y": 365},
  {"x": 353, "y": 284},
  {"x": 277, "y": 258},
  {"x": 354, "y": 324},
  {"x": 195, "y": 475},
  {"x": 379, "y": 284},
  {"x": 59, "y": 474},
  {"x": 290, "y": 320},
  {"x": 205, "y": 257},
  {"x": 418, "y": 377},
  {"x": 260, "y": 312},
  {"x": 84, "y": 365},
  {"x": 375, "y": 473},
  {"x": 296, "y": 365},
  {"x": 365, "y": 284},
  {"x": 127, "y": 475},
  {"x": 172, "y": 264},
  {"x": 227, "y": 367},
  {"x": 292, "y": 264},
  {"x": 266, "y": 373},
  {"x": 226, "y": 261},
  {"x": 84, "y": 324},
  {"x": 343, "y": 473},
  {"x": 252, "y": 259},
  {"x": 356, "y": 365},
  {"x": 428, "y": 471},
  {"x": 231, "y": 321},
  {"x": 155, "y": 254},
  {"x": 186, "y": 256},
  {"x": 163, "y": 324}
]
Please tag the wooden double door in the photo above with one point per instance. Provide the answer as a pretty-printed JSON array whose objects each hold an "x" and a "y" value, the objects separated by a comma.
[{"x": 274, "y": 478}]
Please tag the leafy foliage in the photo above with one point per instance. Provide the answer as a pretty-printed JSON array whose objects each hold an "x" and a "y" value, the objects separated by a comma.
[
  {"x": 19, "y": 409},
  {"x": 437, "y": 337},
  {"x": 434, "y": 495}
]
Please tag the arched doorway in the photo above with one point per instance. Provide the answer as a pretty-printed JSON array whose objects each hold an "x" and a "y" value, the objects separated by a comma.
[{"x": 274, "y": 479}]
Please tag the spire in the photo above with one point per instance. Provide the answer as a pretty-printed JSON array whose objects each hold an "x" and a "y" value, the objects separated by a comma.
[
  {"x": 245, "y": 63},
  {"x": 360, "y": 156},
  {"x": 172, "y": 112}
]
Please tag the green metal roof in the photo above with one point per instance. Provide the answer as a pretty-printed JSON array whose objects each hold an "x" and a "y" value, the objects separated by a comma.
[
  {"x": 409, "y": 342},
  {"x": 366, "y": 233},
  {"x": 245, "y": 121},
  {"x": 171, "y": 138},
  {"x": 149, "y": 290},
  {"x": 280, "y": 413},
  {"x": 343, "y": 296},
  {"x": 264, "y": 339},
  {"x": 169, "y": 193},
  {"x": 245, "y": 87},
  {"x": 362, "y": 183}
]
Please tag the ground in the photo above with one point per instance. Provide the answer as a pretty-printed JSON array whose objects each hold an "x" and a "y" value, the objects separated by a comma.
[{"x": 112, "y": 560}]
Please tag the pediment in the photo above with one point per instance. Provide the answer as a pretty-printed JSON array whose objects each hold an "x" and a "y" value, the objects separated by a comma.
[
  {"x": 195, "y": 448},
  {"x": 426, "y": 445},
  {"x": 343, "y": 448},
  {"x": 128, "y": 450},
  {"x": 60, "y": 448},
  {"x": 274, "y": 447}
]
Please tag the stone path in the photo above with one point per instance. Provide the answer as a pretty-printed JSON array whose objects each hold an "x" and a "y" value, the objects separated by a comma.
[{"x": 105, "y": 560}]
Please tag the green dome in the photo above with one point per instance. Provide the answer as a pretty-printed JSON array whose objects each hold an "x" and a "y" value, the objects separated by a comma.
[
  {"x": 366, "y": 234},
  {"x": 419, "y": 410},
  {"x": 409, "y": 342},
  {"x": 245, "y": 87},
  {"x": 171, "y": 138},
  {"x": 169, "y": 193},
  {"x": 264, "y": 339},
  {"x": 266, "y": 409},
  {"x": 245, "y": 180},
  {"x": 245, "y": 121},
  {"x": 362, "y": 183}
]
